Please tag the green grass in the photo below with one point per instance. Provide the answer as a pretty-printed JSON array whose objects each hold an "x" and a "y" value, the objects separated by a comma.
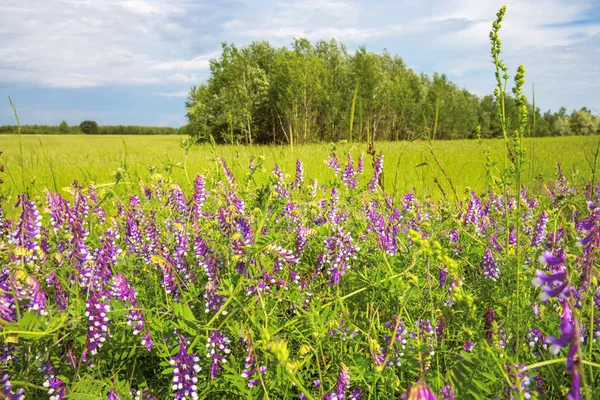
[{"x": 55, "y": 161}]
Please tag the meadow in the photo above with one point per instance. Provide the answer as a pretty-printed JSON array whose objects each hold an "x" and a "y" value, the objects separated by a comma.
[
  {"x": 55, "y": 161},
  {"x": 150, "y": 267}
]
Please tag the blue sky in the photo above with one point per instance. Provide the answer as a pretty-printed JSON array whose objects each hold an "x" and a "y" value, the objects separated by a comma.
[{"x": 133, "y": 61}]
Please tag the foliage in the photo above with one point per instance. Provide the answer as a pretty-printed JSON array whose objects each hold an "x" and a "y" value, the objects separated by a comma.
[
  {"x": 306, "y": 93},
  {"x": 291, "y": 282},
  {"x": 89, "y": 127},
  {"x": 65, "y": 129}
]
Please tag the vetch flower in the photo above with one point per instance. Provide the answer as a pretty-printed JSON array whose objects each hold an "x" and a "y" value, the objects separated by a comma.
[
  {"x": 185, "y": 370},
  {"x": 97, "y": 309},
  {"x": 419, "y": 391},
  {"x": 218, "y": 351},
  {"x": 488, "y": 265}
]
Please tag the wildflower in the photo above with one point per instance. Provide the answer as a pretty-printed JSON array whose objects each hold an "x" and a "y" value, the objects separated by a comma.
[
  {"x": 97, "y": 309},
  {"x": 177, "y": 202},
  {"x": 474, "y": 213},
  {"x": 299, "y": 174},
  {"x": 377, "y": 171},
  {"x": 185, "y": 368},
  {"x": 112, "y": 395},
  {"x": 518, "y": 382},
  {"x": 228, "y": 173},
  {"x": 489, "y": 266},
  {"x": 360, "y": 167},
  {"x": 418, "y": 391},
  {"x": 6, "y": 388},
  {"x": 343, "y": 384},
  {"x": 334, "y": 164},
  {"x": 349, "y": 175},
  {"x": 200, "y": 195},
  {"x": 27, "y": 231},
  {"x": 55, "y": 386},
  {"x": 280, "y": 185},
  {"x": 218, "y": 350},
  {"x": 339, "y": 250},
  {"x": 123, "y": 291},
  {"x": 539, "y": 233},
  {"x": 447, "y": 391}
]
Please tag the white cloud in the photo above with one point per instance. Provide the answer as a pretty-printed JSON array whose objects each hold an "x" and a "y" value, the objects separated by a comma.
[{"x": 168, "y": 43}]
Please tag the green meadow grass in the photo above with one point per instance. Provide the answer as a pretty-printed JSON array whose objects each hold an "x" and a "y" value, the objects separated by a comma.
[{"x": 55, "y": 161}]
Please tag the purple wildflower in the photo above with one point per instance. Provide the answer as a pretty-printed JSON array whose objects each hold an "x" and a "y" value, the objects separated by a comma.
[
  {"x": 177, "y": 202},
  {"x": 123, "y": 291},
  {"x": 185, "y": 368},
  {"x": 349, "y": 175},
  {"x": 518, "y": 382},
  {"x": 539, "y": 233},
  {"x": 489, "y": 267},
  {"x": 339, "y": 250},
  {"x": 377, "y": 171},
  {"x": 360, "y": 167},
  {"x": 299, "y": 174},
  {"x": 6, "y": 389},
  {"x": 218, "y": 350},
  {"x": 228, "y": 173},
  {"x": 447, "y": 391},
  {"x": 334, "y": 164},
  {"x": 97, "y": 309},
  {"x": 200, "y": 195},
  {"x": 418, "y": 391},
  {"x": 55, "y": 386},
  {"x": 27, "y": 233}
]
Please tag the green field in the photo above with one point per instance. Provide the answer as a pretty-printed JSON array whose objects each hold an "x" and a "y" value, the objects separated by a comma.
[{"x": 54, "y": 161}]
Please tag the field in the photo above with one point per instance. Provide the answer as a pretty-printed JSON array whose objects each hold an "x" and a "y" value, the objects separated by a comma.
[
  {"x": 54, "y": 161},
  {"x": 169, "y": 271}
]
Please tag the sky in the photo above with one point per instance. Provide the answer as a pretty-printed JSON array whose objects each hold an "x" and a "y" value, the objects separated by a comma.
[{"x": 132, "y": 62}]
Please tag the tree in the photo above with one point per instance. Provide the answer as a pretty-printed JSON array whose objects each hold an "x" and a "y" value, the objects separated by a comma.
[
  {"x": 63, "y": 127},
  {"x": 89, "y": 127}
]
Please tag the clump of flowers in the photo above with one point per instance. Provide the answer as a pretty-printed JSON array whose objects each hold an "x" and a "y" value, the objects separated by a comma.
[
  {"x": 185, "y": 370},
  {"x": 218, "y": 350}
]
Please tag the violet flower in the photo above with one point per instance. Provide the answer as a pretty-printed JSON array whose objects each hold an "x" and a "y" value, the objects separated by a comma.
[
  {"x": 349, "y": 175},
  {"x": 6, "y": 388},
  {"x": 185, "y": 369},
  {"x": 489, "y": 267},
  {"x": 334, "y": 164},
  {"x": 228, "y": 173},
  {"x": 27, "y": 231},
  {"x": 539, "y": 232},
  {"x": 200, "y": 195},
  {"x": 419, "y": 391},
  {"x": 377, "y": 171},
  {"x": 218, "y": 351},
  {"x": 55, "y": 386},
  {"x": 299, "y": 174},
  {"x": 97, "y": 309}
]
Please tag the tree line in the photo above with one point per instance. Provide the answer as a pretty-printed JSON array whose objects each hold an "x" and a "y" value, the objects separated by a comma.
[
  {"x": 89, "y": 128},
  {"x": 321, "y": 92}
]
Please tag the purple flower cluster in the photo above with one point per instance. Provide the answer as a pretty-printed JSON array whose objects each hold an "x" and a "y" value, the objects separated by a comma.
[
  {"x": 185, "y": 370},
  {"x": 339, "y": 250},
  {"x": 6, "y": 388},
  {"x": 377, "y": 172},
  {"x": 349, "y": 174},
  {"x": 97, "y": 309},
  {"x": 419, "y": 391},
  {"x": 555, "y": 284},
  {"x": 55, "y": 386},
  {"x": 123, "y": 291},
  {"x": 200, "y": 195},
  {"x": 343, "y": 386},
  {"x": 218, "y": 351},
  {"x": 489, "y": 266}
]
